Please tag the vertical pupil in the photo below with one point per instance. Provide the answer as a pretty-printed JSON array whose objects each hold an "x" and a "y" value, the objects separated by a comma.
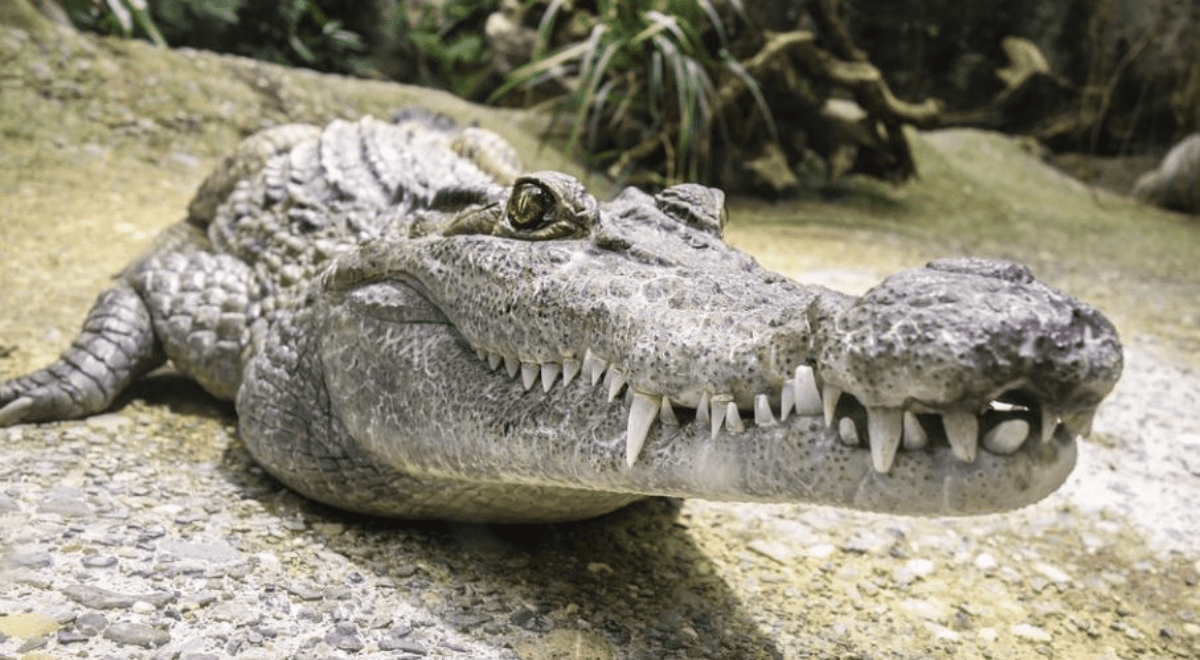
[{"x": 529, "y": 205}]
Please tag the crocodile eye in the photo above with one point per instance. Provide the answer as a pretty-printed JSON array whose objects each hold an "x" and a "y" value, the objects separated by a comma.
[{"x": 528, "y": 205}]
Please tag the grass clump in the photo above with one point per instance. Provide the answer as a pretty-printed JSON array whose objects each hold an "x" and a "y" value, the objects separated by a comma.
[{"x": 644, "y": 80}]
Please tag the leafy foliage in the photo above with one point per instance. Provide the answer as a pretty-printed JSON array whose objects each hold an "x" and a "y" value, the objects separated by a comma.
[
  {"x": 294, "y": 32},
  {"x": 650, "y": 68},
  {"x": 449, "y": 40},
  {"x": 127, "y": 18}
]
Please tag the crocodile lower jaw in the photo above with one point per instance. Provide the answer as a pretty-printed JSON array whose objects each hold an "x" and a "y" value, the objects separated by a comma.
[{"x": 1001, "y": 428}]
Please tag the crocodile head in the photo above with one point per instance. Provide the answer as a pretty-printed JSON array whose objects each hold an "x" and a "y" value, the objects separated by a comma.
[{"x": 544, "y": 340}]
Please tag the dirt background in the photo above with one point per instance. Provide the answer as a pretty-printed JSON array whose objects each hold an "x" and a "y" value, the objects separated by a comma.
[{"x": 148, "y": 532}]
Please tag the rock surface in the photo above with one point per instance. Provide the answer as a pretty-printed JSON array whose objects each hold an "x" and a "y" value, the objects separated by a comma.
[{"x": 149, "y": 533}]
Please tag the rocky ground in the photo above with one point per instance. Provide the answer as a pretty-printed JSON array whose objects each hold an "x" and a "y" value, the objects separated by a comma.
[{"x": 149, "y": 533}]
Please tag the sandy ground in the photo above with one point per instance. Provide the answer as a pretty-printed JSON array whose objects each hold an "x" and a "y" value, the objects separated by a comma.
[{"x": 149, "y": 533}]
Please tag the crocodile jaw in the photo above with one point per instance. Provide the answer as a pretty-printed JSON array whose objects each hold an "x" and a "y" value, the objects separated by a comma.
[{"x": 466, "y": 417}]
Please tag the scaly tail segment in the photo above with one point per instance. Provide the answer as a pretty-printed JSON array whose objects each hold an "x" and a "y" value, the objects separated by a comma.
[{"x": 115, "y": 347}]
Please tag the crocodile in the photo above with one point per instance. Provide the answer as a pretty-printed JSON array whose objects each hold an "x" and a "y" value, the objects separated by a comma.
[{"x": 413, "y": 325}]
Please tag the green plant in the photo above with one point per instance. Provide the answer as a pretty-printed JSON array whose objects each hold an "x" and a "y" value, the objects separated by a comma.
[
  {"x": 449, "y": 38},
  {"x": 649, "y": 67},
  {"x": 126, "y": 18},
  {"x": 296, "y": 32}
]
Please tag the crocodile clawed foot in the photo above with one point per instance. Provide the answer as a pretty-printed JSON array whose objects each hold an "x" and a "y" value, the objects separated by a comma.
[{"x": 15, "y": 411}]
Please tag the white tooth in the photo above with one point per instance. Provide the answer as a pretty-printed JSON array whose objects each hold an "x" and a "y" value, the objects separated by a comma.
[
  {"x": 762, "y": 411},
  {"x": 549, "y": 374},
  {"x": 733, "y": 419},
  {"x": 480, "y": 354},
  {"x": 848, "y": 432},
  {"x": 884, "y": 429},
  {"x": 570, "y": 370},
  {"x": 718, "y": 407},
  {"x": 593, "y": 366},
  {"x": 807, "y": 398},
  {"x": 787, "y": 400},
  {"x": 1049, "y": 421},
  {"x": 829, "y": 402},
  {"x": 914, "y": 434},
  {"x": 962, "y": 430},
  {"x": 666, "y": 413},
  {"x": 615, "y": 381},
  {"x": 642, "y": 411},
  {"x": 512, "y": 365},
  {"x": 529, "y": 374},
  {"x": 494, "y": 361},
  {"x": 1080, "y": 423},
  {"x": 1006, "y": 437},
  {"x": 702, "y": 412}
]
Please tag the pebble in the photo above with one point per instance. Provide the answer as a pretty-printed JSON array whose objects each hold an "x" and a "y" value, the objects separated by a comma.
[
  {"x": 344, "y": 637},
  {"x": 66, "y": 502},
  {"x": 99, "y": 561},
  {"x": 103, "y": 599},
  {"x": 31, "y": 560},
  {"x": 305, "y": 591},
  {"x": 136, "y": 634},
  {"x": 402, "y": 645},
  {"x": 90, "y": 624},
  {"x": 216, "y": 553},
  {"x": 1051, "y": 572},
  {"x": 913, "y": 569},
  {"x": 1030, "y": 632}
]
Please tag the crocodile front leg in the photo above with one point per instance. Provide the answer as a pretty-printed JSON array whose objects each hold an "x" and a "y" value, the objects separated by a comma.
[
  {"x": 116, "y": 346},
  {"x": 180, "y": 302}
]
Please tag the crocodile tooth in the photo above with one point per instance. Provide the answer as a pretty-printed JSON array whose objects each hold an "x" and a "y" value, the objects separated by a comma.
[
  {"x": 550, "y": 372},
  {"x": 615, "y": 382},
  {"x": 642, "y": 411},
  {"x": 807, "y": 398},
  {"x": 762, "y": 411},
  {"x": 702, "y": 410},
  {"x": 1006, "y": 437},
  {"x": 480, "y": 354},
  {"x": 914, "y": 434},
  {"x": 884, "y": 429},
  {"x": 529, "y": 374},
  {"x": 494, "y": 361},
  {"x": 962, "y": 430},
  {"x": 1049, "y": 421},
  {"x": 512, "y": 365},
  {"x": 848, "y": 432},
  {"x": 787, "y": 400},
  {"x": 830, "y": 401},
  {"x": 718, "y": 408},
  {"x": 570, "y": 369},
  {"x": 733, "y": 418},
  {"x": 1080, "y": 422},
  {"x": 666, "y": 413},
  {"x": 593, "y": 366}
]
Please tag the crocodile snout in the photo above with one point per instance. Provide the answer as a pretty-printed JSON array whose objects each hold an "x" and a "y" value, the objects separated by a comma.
[{"x": 971, "y": 351}]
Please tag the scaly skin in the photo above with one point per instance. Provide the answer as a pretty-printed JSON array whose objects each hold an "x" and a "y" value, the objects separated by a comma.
[{"x": 412, "y": 328}]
